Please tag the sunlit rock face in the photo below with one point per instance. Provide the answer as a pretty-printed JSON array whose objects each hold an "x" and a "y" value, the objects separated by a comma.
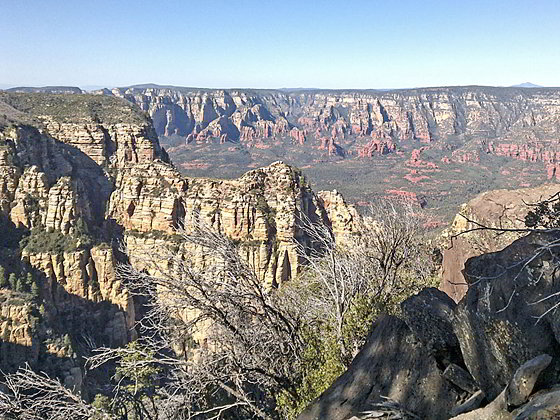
[
  {"x": 494, "y": 209},
  {"x": 262, "y": 210},
  {"x": 91, "y": 168},
  {"x": 426, "y": 115}
]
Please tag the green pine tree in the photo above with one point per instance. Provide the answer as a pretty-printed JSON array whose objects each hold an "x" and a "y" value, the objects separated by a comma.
[
  {"x": 35, "y": 291},
  {"x": 20, "y": 285},
  {"x": 42, "y": 309},
  {"x": 12, "y": 279},
  {"x": 3, "y": 280},
  {"x": 29, "y": 281}
]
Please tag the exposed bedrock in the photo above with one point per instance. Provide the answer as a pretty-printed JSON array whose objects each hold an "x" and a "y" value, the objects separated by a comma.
[{"x": 498, "y": 348}]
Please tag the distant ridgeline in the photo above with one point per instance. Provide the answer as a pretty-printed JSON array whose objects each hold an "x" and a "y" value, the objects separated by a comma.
[
  {"x": 82, "y": 173},
  {"x": 434, "y": 146}
]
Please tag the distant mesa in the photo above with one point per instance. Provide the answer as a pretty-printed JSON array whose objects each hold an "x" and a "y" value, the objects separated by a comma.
[
  {"x": 47, "y": 89},
  {"x": 527, "y": 85}
]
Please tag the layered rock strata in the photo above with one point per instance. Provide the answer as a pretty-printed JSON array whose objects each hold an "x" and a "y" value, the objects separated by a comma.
[
  {"x": 426, "y": 115},
  {"x": 81, "y": 172}
]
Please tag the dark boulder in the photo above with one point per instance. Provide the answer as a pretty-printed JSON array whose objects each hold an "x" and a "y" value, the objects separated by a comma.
[
  {"x": 496, "y": 322},
  {"x": 516, "y": 393},
  {"x": 430, "y": 316},
  {"x": 395, "y": 364},
  {"x": 544, "y": 406}
]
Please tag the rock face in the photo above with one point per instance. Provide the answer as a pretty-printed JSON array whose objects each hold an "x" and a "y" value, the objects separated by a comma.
[
  {"x": 17, "y": 343},
  {"x": 429, "y": 315},
  {"x": 494, "y": 209},
  {"x": 496, "y": 320},
  {"x": 395, "y": 364},
  {"x": 261, "y": 209},
  {"x": 423, "y": 114},
  {"x": 82, "y": 172},
  {"x": 432, "y": 145},
  {"x": 444, "y": 359}
]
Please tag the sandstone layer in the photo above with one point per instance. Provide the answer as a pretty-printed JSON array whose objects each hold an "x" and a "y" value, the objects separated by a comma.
[
  {"x": 80, "y": 173},
  {"x": 426, "y": 115},
  {"x": 466, "y": 238}
]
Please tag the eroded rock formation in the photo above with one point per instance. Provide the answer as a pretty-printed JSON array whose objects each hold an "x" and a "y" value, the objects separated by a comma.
[
  {"x": 425, "y": 115},
  {"x": 495, "y": 209},
  {"x": 82, "y": 172}
]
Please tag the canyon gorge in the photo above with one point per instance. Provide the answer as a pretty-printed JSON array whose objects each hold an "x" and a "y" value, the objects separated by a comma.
[
  {"x": 91, "y": 181},
  {"x": 430, "y": 145}
]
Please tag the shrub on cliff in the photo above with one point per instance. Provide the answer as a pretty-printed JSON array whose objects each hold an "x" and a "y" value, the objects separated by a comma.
[
  {"x": 3, "y": 279},
  {"x": 347, "y": 285},
  {"x": 12, "y": 279},
  {"x": 53, "y": 241},
  {"x": 545, "y": 213}
]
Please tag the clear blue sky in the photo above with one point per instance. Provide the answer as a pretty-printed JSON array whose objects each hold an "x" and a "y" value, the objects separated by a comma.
[{"x": 288, "y": 43}]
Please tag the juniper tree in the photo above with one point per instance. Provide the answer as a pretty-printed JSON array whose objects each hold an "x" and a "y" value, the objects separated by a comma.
[
  {"x": 35, "y": 291},
  {"x": 3, "y": 280},
  {"x": 20, "y": 285},
  {"x": 28, "y": 281},
  {"x": 12, "y": 279}
]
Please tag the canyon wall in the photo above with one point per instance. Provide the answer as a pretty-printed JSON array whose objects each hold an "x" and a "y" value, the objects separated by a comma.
[
  {"x": 80, "y": 174},
  {"x": 381, "y": 119}
]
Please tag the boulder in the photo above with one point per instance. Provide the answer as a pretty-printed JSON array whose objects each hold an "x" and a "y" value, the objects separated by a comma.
[
  {"x": 496, "y": 322},
  {"x": 429, "y": 315},
  {"x": 461, "y": 378},
  {"x": 495, "y": 209},
  {"x": 545, "y": 406},
  {"x": 517, "y": 392},
  {"x": 470, "y": 404},
  {"x": 522, "y": 383},
  {"x": 395, "y": 364}
]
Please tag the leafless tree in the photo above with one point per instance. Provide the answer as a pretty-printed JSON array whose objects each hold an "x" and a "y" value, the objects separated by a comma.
[
  {"x": 372, "y": 262},
  {"x": 28, "y": 395},
  {"x": 226, "y": 340}
]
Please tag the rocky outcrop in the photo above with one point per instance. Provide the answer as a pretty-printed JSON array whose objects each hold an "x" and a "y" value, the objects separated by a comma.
[
  {"x": 18, "y": 342},
  {"x": 498, "y": 348},
  {"x": 394, "y": 364},
  {"x": 343, "y": 218},
  {"x": 122, "y": 143},
  {"x": 89, "y": 274},
  {"x": 496, "y": 320},
  {"x": 262, "y": 210},
  {"x": 516, "y": 394},
  {"x": 494, "y": 209},
  {"x": 58, "y": 166}
]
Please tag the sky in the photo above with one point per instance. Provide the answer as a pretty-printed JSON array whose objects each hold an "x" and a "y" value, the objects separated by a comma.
[{"x": 361, "y": 44}]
